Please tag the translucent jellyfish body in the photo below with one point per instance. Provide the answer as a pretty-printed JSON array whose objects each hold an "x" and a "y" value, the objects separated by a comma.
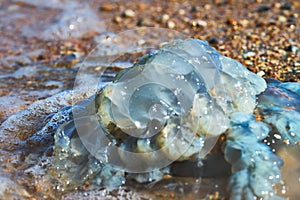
[{"x": 164, "y": 107}]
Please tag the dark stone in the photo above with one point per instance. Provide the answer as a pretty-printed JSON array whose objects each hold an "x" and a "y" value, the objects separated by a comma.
[
  {"x": 143, "y": 22},
  {"x": 290, "y": 48},
  {"x": 291, "y": 20},
  {"x": 213, "y": 40},
  {"x": 286, "y": 6},
  {"x": 194, "y": 9},
  {"x": 262, "y": 9},
  {"x": 41, "y": 57}
]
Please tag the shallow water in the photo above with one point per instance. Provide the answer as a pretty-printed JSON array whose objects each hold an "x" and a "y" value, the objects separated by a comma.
[{"x": 24, "y": 80}]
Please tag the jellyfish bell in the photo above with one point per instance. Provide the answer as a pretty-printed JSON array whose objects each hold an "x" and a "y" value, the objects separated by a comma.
[{"x": 165, "y": 107}]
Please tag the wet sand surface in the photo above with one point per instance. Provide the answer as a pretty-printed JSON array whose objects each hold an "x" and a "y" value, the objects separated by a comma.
[{"x": 40, "y": 42}]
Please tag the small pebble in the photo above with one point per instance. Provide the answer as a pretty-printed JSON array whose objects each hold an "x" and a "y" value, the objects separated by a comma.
[
  {"x": 248, "y": 54},
  {"x": 244, "y": 22},
  {"x": 194, "y": 9},
  {"x": 107, "y": 7},
  {"x": 144, "y": 22},
  {"x": 248, "y": 62},
  {"x": 286, "y": 6},
  {"x": 232, "y": 22},
  {"x": 261, "y": 73},
  {"x": 129, "y": 13},
  {"x": 199, "y": 22},
  {"x": 291, "y": 48},
  {"x": 40, "y": 57},
  {"x": 181, "y": 12},
  {"x": 207, "y": 6},
  {"x": 262, "y": 9},
  {"x": 141, "y": 42},
  {"x": 72, "y": 56},
  {"x": 213, "y": 40},
  {"x": 165, "y": 18},
  {"x": 291, "y": 19},
  {"x": 143, "y": 6},
  {"x": 117, "y": 19},
  {"x": 171, "y": 24},
  {"x": 281, "y": 18}
]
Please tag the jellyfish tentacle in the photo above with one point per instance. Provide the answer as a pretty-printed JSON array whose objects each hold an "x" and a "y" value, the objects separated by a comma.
[
  {"x": 291, "y": 86},
  {"x": 255, "y": 168},
  {"x": 287, "y": 124},
  {"x": 279, "y": 106}
]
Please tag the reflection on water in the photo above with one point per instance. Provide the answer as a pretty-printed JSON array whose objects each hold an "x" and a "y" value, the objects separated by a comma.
[
  {"x": 290, "y": 170},
  {"x": 57, "y": 19}
]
